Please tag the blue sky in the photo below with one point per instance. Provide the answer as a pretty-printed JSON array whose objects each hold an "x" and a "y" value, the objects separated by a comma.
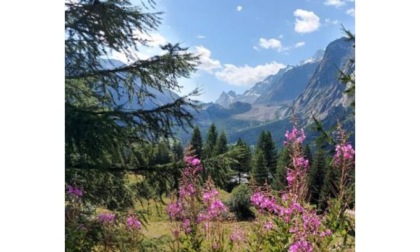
[{"x": 243, "y": 41}]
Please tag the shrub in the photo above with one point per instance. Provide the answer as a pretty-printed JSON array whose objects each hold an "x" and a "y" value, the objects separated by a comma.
[{"x": 240, "y": 203}]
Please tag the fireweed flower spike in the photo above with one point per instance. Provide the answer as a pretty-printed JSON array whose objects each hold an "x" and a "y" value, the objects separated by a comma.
[
  {"x": 74, "y": 191},
  {"x": 197, "y": 209},
  {"x": 344, "y": 153},
  {"x": 295, "y": 136},
  {"x": 300, "y": 223}
]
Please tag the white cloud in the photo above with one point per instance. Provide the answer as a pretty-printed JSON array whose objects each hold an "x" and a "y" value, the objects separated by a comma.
[
  {"x": 306, "y": 21},
  {"x": 199, "y": 36},
  {"x": 329, "y": 21},
  {"x": 134, "y": 55},
  {"x": 350, "y": 12},
  {"x": 206, "y": 63},
  {"x": 276, "y": 44},
  {"x": 269, "y": 43},
  {"x": 239, "y": 8},
  {"x": 336, "y": 3},
  {"x": 299, "y": 44},
  {"x": 154, "y": 39},
  {"x": 246, "y": 75}
]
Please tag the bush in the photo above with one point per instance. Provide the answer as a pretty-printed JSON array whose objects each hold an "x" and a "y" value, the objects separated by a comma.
[{"x": 240, "y": 204}]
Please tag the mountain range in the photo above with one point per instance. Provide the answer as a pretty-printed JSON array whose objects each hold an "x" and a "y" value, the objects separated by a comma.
[{"x": 309, "y": 89}]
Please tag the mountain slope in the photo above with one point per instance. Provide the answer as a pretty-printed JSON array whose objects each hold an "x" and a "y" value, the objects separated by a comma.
[
  {"x": 325, "y": 92},
  {"x": 291, "y": 84}
]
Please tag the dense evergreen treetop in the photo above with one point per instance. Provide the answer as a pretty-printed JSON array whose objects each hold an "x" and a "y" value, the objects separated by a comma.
[
  {"x": 267, "y": 146},
  {"x": 99, "y": 128},
  {"x": 221, "y": 144},
  {"x": 197, "y": 142}
]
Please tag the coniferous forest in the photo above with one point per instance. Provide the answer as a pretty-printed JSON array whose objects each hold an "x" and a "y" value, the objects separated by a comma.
[{"x": 133, "y": 184}]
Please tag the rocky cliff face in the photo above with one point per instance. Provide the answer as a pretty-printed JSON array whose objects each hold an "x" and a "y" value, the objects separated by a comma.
[
  {"x": 291, "y": 84},
  {"x": 325, "y": 92}
]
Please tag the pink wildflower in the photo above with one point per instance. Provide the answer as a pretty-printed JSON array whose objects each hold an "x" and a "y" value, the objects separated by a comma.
[
  {"x": 173, "y": 210},
  {"x": 175, "y": 232},
  {"x": 106, "y": 218},
  {"x": 295, "y": 136},
  {"x": 237, "y": 235},
  {"x": 195, "y": 162},
  {"x": 133, "y": 223},
  {"x": 301, "y": 162},
  {"x": 186, "y": 225},
  {"x": 300, "y": 246},
  {"x": 74, "y": 191},
  {"x": 268, "y": 225},
  {"x": 290, "y": 177},
  {"x": 344, "y": 153}
]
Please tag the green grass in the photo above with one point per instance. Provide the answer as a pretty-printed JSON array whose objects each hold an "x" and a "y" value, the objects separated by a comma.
[{"x": 157, "y": 232}]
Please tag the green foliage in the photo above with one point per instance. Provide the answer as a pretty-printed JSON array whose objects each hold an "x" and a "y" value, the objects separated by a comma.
[
  {"x": 210, "y": 141},
  {"x": 218, "y": 160},
  {"x": 324, "y": 140},
  {"x": 316, "y": 177},
  {"x": 329, "y": 188},
  {"x": 280, "y": 182},
  {"x": 105, "y": 189},
  {"x": 219, "y": 166},
  {"x": 221, "y": 144},
  {"x": 349, "y": 79},
  {"x": 160, "y": 154},
  {"x": 177, "y": 154},
  {"x": 342, "y": 224},
  {"x": 81, "y": 234},
  {"x": 107, "y": 122},
  {"x": 240, "y": 204},
  {"x": 244, "y": 162},
  {"x": 266, "y": 145},
  {"x": 160, "y": 171},
  {"x": 197, "y": 142},
  {"x": 84, "y": 231},
  {"x": 308, "y": 153},
  {"x": 260, "y": 170}
]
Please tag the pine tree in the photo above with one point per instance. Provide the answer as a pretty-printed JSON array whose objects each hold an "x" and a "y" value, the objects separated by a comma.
[
  {"x": 107, "y": 122},
  {"x": 329, "y": 187},
  {"x": 177, "y": 156},
  {"x": 260, "y": 170},
  {"x": 221, "y": 144},
  {"x": 161, "y": 153},
  {"x": 316, "y": 176},
  {"x": 210, "y": 141},
  {"x": 244, "y": 162},
  {"x": 177, "y": 151},
  {"x": 197, "y": 142},
  {"x": 104, "y": 99},
  {"x": 280, "y": 182},
  {"x": 266, "y": 145}
]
